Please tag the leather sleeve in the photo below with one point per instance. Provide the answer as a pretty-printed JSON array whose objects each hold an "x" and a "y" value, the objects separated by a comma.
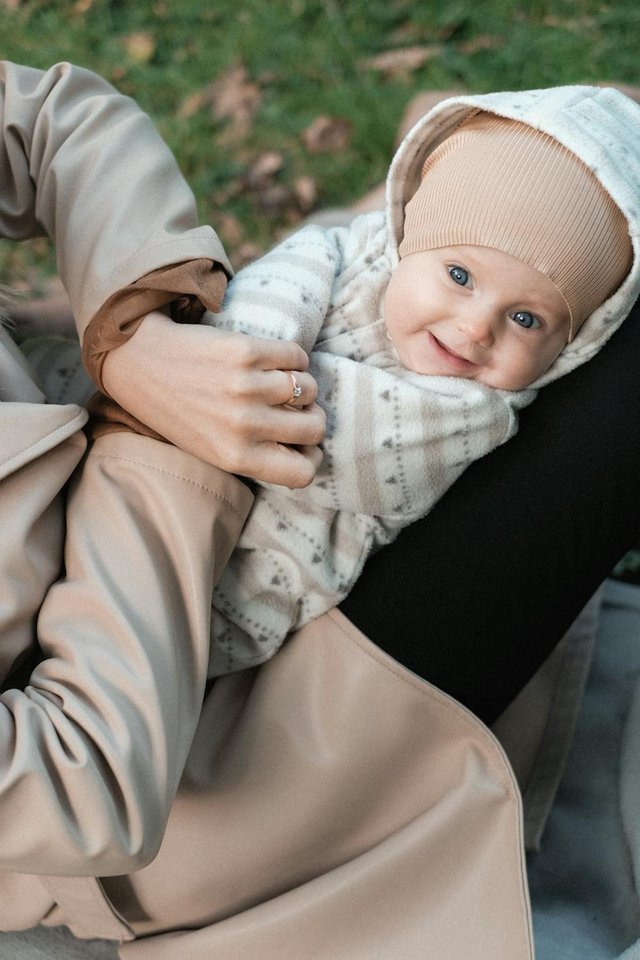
[
  {"x": 93, "y": 741},
  {"x": 83, "y": 164},
  {"x": 188, "y": 289},
  {"x": 91, "y": 751}
]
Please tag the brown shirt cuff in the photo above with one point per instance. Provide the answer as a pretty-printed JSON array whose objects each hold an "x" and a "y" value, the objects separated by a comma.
[
  {"x": 107, "y": 416},
  {"x": 190, "y": 288}
]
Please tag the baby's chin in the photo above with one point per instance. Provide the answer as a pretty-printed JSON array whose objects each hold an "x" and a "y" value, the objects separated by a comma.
[
  {"x": 505, "y": 383},
  {"x": 510, "y": 384}
]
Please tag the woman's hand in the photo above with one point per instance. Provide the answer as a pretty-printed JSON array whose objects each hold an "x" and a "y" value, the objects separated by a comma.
[{"x": 224, "y": 397}]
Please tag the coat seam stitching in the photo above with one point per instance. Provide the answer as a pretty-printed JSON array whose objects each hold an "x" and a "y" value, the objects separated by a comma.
[{"x": 175, "y": 476}]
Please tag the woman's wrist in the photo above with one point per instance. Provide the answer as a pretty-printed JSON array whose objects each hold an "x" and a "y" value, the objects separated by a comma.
[{"x": 125, "y": 365}]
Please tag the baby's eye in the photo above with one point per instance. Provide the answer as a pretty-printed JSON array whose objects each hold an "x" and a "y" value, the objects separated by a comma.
[
  {"x": 525, "y": 319},
  {"x": 459, "y": 275}
]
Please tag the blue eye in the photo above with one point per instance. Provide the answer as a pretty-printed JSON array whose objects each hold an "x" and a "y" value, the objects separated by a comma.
[
  {"x": 525, "y": 319},
  {"x": 459, "y": 275}
]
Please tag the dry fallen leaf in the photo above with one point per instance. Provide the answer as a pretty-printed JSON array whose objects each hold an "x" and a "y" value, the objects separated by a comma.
[
  {"x": 327, "y": 135},
  {"x": 483, "y": 41},
  {"x": 402, "y": 60},
  {"x": 246, "y": 254},
  {"x": 230, "y": 229},
  {"x": 305, "y": 189},
  {"x": 421, "y": 104},
  {"x": 192, "y": 104},
  {"x": 578, "y": 24},
  {"x": 264, "y": 169},
  {"x": 274, "y": 199},
  {"x": 140, "y": 46},
  {"x": 288, "y": 202},
  {"x": 235, "y": 98},
  {"x": 231, "y": 96},
  {"x": 228, "y": 191}
]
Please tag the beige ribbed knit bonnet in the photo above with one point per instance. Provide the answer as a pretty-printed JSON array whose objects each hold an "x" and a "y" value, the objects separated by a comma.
[{"x": 503, "y": 184}]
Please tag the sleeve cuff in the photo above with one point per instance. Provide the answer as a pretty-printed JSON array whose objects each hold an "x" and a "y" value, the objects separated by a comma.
[{"x": 189, "y": 288}]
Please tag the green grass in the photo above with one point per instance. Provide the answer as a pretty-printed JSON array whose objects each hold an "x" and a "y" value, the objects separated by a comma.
[{"x": 305, "y": 58}]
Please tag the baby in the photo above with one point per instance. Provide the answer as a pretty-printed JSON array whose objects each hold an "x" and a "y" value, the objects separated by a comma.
[{"x": 504, "y": 260}]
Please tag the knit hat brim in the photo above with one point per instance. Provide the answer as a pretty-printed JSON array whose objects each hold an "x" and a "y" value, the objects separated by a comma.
[
  {"x": 598, "y": 124},
  {"x": 502, "y": 184}
]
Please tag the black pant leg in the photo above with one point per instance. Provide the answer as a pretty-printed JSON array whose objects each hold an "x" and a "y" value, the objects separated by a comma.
[{"x": 474, "y": 596}]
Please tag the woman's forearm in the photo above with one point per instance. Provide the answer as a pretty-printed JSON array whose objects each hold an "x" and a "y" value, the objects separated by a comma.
[{"x": 85, "y": 165}]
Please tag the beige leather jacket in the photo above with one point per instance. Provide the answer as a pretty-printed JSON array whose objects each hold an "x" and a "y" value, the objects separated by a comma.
[
  {"x": 328, "y": 804},
  {"x": 92, "y": 750}
]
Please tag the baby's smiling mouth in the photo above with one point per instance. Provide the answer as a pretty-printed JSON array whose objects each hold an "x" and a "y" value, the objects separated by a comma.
[{"x": 455, "y": 357}]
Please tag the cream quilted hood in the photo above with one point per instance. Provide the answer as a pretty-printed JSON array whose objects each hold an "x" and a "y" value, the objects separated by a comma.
[{"x": 600, "y": 125}]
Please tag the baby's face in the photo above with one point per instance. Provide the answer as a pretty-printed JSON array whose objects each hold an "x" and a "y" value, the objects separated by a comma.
[{"x": 477, "y": 313}]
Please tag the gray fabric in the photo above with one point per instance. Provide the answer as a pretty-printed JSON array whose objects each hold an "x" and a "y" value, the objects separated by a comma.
[
  {"x": 537, "y": 729},
  {"x": 585, "y": 903},
  {"x": 46, "y": 943}
]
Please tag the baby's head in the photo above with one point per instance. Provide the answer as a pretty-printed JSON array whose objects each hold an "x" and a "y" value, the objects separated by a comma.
[{"x": 510, "y": 243}]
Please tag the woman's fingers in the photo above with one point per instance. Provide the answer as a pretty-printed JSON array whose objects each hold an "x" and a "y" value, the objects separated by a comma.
[
  {"x": 287, "y": 466},
  {"x": 242, "y": 403},
  {"x": 259, "y": 353},
  {"x": 284, "y": 388},
  {"x": 296, "y": 390},
  {"x": 291, "y": 425},
  {"x": 275, "y": 369}
]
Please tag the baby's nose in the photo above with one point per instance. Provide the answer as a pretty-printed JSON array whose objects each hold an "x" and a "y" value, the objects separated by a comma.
[{"x": 479, "y": 327}]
